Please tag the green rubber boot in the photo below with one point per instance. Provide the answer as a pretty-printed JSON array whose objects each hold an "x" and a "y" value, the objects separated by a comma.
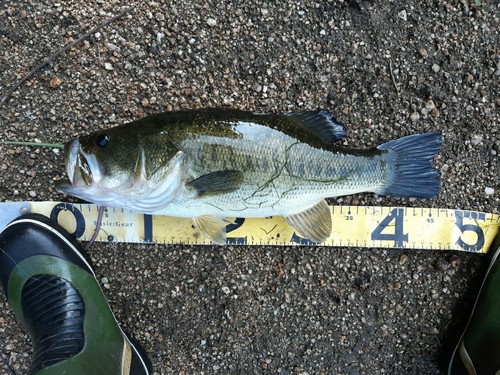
[
  {"x": 55, "y": 296},
  {"x": 478, "y": 351}
]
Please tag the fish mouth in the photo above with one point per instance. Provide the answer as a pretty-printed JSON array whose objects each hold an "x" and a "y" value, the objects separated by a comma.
[
  {"x": 77, "y": 165},
  {"x": 80, "y": 167}
]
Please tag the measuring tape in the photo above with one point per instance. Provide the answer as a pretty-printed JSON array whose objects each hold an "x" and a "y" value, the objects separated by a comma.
[{"x": 353, "y": 226}]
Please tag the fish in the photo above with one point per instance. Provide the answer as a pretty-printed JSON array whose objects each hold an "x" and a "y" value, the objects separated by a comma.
[{"x": 212, "y": 165}]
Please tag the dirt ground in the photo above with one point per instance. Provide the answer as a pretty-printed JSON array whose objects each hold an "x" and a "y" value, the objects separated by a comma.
[{"x": 384, "y": 68}]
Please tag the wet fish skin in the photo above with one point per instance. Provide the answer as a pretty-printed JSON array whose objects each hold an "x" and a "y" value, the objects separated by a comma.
[{"x": 210, "y": 164}]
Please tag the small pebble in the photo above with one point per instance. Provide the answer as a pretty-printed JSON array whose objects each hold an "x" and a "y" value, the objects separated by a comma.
[
  {"x": 455, "y": 261},
  {"x": 403, "y": 259},
  {"x": 108, "y": 66},
  {"x": 429, "y": 105},
  {"x": 414, "y": 117},
  {"x": 403, "y": 15},
  {"x": 440, "y": 264},
  {"x": 105, "y": 283},
  {"x": 476, "y": 139},
  {"x": 489, "y": 190},
  {"x": 112, "y": 47},
  {"x": 423, "y": 52},
  {"x": 211, "y": 22},
  {"x": 55, "y": 82},
  {"x": 436, "y": 68}
]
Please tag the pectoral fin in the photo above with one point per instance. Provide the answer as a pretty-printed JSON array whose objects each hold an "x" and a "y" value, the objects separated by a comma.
[
  {"x": 214, "y": 228},
  {"x": 314, "y": 223},
  {"x": 219, "y": 182}
]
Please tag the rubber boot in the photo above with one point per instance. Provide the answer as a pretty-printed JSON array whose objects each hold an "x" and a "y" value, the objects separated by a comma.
[
  {"x": 54, "y": 294},
  {"x": 478, "y": 350}
]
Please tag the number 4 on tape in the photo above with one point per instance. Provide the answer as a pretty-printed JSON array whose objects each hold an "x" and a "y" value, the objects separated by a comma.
[{"x": 395, "y": 219}]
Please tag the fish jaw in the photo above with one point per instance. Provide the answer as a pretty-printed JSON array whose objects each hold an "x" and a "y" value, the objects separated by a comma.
[
  {"x": 90, "y": 193},
  {"x": 83, "y": 169}
]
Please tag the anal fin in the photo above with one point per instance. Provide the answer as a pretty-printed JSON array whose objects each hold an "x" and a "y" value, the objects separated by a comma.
[
  {"x": 212, "y": 227},
  {"x": 314, "y": 223}
]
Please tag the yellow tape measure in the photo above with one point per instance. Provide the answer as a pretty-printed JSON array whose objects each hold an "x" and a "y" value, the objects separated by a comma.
[{"x": 353, "y": 226}]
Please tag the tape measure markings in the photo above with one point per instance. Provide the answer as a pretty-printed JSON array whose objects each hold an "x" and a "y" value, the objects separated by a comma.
[{"x": 353, "y": 226}]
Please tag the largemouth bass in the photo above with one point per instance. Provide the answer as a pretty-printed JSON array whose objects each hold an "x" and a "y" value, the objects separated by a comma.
[{"x": 211, "y": 165}]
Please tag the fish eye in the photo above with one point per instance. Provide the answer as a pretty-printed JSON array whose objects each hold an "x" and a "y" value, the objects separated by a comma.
[{"x": 102, "y": 140}]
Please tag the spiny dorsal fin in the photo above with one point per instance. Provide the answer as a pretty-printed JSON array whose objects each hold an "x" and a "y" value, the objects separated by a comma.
[
  {"x": 314, "y": 223},
  {"x": 320, "y": 124},
  {"x": 214, "y": 228},
  {"x": 219, "y": 182}
]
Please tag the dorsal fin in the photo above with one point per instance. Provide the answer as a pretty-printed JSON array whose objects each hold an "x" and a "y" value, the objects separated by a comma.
[{"x": 320, "y": 124}]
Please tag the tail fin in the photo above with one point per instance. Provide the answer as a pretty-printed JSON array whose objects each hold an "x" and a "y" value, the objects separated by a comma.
[{"x": 411, "y": 158}]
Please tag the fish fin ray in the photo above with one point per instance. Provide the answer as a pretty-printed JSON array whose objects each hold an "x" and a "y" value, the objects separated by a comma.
[
  {"x": 219, "y": 182},
  {"x": 314, "y": 223},
  {"x": 320, "y": 124},
  {"x": 214, "y": 228},
  {"x": 411, "y": 159}
]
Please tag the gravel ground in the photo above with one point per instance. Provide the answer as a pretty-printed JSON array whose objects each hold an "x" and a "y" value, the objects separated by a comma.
[{"x": 241, "y": 310}]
